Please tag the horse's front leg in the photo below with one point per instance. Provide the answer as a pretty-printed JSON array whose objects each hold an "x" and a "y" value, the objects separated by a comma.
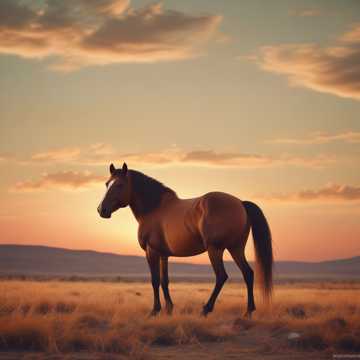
[
  {"x": 165, "y": 284},
  {"x": 153, "y": 259}
]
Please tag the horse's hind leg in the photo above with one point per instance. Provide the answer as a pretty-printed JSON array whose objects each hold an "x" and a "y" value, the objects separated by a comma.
[
  {"x": 248, "y": 273},
  {"x": 165, "y": 284},
  {"x": 216, "y": 258}
]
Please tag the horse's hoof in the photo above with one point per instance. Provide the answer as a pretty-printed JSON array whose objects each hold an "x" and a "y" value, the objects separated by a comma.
[
  {"x": 247, "y": 315},
  {"x": 169, "y": 310},
  {"x": 154, "y": 313},
  {"x": 205, "y": 311}
]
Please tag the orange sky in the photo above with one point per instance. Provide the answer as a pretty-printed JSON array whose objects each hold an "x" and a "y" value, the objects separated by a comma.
[{"x": 252, "y": 99}]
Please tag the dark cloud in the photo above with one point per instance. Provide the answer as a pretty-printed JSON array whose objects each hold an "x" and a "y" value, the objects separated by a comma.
[
  {"x": 78, "y": 32},
  {"x": 151, "y": 34},
  {"x": 14, "y": 15}
]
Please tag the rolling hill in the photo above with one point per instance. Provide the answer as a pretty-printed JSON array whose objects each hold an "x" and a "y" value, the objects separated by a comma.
[{"x": 50, "y": 261}]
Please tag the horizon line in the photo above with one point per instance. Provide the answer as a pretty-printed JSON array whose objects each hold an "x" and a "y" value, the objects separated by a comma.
[{"x": 177, "y": 257}]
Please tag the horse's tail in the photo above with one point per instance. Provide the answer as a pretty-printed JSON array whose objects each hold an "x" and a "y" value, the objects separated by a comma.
[{"x": 263, "y": 247}]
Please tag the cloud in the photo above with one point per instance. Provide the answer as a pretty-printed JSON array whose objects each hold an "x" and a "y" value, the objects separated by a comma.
[
  {"x": 241, "y": 160},
  {"x": 64, "y": 180},
  {"x": 329, "y": 193},
  {"x": 334, "y": 69},
  {"x": 96, "y": 154},
  {"x": 4, "y": 157},
  {"x": 321, "y": 138},
  {"x": 78, "y": 33},
  {"x": 102, "y": 154},
  {"x": 57, "y": 155},
  {"x": 309, "y": 12}
]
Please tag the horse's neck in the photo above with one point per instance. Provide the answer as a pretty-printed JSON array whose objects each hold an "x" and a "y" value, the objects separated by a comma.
[{"x": 137, "y": 208}]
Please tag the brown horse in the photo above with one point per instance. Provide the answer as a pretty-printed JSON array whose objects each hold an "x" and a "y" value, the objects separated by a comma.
[{"x": 170, "y": 226}]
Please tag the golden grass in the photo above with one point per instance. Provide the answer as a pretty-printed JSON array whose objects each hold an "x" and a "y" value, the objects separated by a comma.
[{"x": 112, "y": 317}]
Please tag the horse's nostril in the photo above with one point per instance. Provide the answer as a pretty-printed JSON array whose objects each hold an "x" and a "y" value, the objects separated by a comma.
[{"x": 103, "y": 212}]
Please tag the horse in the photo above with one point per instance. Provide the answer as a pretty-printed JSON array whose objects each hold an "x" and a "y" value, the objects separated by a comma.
[{"x": 171, "y": 226}]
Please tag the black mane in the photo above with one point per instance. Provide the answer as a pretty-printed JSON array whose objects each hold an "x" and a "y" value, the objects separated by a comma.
[{"x": 148, "y": 190}]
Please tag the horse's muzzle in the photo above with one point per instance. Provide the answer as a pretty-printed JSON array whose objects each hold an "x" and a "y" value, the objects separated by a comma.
[{"x": 104, "y": 213}]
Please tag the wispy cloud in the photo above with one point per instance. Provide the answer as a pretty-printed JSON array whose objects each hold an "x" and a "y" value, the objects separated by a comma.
[
  {"x": 6, "y": 157},
  {"x": 321, "y": 138},
  {"x": 57, "y": 155},
  {"x": 102, "y": 154},
  {"x": 64, "y": 180},
  {"x": 243, "y": 160},
  {"x": 334, "y": 69},
  {"x": 329, "y": 193},
  {"x": 308, "y": 12},
  {"x": 86, "y": 32}
]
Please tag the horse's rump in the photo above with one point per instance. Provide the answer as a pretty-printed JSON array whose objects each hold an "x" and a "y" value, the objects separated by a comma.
[{"x": 224, "y": 220}]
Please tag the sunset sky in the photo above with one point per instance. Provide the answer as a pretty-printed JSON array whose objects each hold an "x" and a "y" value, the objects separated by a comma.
[{"x": 260, "y": 99}]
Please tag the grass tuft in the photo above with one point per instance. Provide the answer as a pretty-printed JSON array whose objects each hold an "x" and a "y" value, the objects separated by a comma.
[
  {"x": 349, "y": 342},
  {"x": 297, "y": 311},
  {"x": 311, "y": 341},
  {"x": 27, "y": 335}
]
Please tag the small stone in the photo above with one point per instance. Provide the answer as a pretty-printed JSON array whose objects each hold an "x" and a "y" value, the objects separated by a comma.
[{"x": 293, "y": 336}]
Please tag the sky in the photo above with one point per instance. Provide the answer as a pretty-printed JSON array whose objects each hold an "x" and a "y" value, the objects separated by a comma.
[{"x": 257, "y": 99}]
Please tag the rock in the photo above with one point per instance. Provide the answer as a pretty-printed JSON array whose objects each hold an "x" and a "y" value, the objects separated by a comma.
[{"x": 293, "y": 336}]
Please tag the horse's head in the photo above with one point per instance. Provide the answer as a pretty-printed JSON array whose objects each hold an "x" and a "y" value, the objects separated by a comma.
[{"x": 117, "y": 193}]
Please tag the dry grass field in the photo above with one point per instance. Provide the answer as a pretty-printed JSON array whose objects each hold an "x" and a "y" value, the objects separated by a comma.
[{"x": 91, "y": 320}]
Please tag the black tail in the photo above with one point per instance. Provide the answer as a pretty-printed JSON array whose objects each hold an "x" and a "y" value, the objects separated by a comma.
[{"x": 263, "y": 247}]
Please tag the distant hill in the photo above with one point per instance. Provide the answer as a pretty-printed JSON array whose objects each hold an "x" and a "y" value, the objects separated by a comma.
[{"x": 42, "y": 260}]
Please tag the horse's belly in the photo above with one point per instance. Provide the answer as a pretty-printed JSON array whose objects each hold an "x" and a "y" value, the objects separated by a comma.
[
  {"x": 180, "y": 229},
  {"x": 184, "y": 243}
]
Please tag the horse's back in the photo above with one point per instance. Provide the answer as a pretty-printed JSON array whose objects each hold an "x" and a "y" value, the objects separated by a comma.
[{"x": 189, "y": 226}]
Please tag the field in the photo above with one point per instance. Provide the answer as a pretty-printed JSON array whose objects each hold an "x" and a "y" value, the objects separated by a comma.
[{"x": 95, "y": 320}]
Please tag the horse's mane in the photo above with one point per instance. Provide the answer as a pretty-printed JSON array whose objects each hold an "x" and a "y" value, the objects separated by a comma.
[{"x": 148, "y": 190}]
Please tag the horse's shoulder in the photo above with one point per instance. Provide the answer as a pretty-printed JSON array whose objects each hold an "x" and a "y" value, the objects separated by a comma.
[
  {"x": 149, "y": 226},
  {"x": 148, "y": 231}
]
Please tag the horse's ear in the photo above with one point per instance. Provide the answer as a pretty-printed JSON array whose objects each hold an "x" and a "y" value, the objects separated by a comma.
[
  {"x": 112, "y": 169},
  {"x": 124, "y": 169}
]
